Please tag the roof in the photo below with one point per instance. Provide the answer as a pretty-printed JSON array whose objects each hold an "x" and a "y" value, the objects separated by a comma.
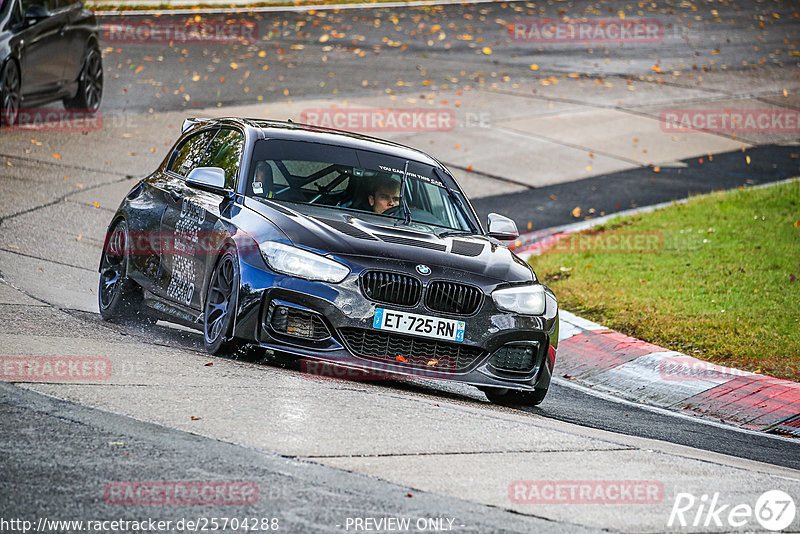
[{"x": 269, "y": 129}]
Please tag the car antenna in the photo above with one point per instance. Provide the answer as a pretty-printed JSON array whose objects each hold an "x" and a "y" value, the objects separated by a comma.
[
  {"x": 406, "y": 211},
  {"x": 290, "y": 120}
]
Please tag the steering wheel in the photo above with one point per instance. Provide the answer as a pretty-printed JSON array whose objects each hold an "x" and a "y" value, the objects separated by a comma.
[{"x": 395, "y": 211}]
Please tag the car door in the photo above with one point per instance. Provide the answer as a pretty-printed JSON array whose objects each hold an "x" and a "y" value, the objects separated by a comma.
[
  {"x": 42, "y": 53},
  {"x": 164, "y": 188},
  {"x": 74, "y": 38},
  {"x": 193, "y": 222}
]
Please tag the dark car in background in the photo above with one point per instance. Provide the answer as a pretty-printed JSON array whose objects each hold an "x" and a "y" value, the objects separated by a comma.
[
  {"x": 334, "y": 247},
  {"x": 48, "y": 51}
]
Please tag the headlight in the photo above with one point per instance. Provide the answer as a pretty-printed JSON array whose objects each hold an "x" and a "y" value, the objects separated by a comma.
[
  {"x": 297, "y": 262},
  {"x": 528, "y": 300}
]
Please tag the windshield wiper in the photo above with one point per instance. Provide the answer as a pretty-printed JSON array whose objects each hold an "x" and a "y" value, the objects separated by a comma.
[
  {"x": 456, "y": 200},
  {"x": 406, "y": 210},
  {"x": 450, "y": 233}
]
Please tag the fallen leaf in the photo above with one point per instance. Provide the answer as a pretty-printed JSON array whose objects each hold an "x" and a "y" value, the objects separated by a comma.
[
  {"x": 747, "y": 158},
  {"x": 401, "y": 359},
  {"x": 487, "y": 50},
  {"x": 576, "y": 212},
  {"x": 56, "y": 156},
  {"x": 209, "y": 364},
  {"x": 96, "y": 204},
  {"x": 195, "y": 418},
  {"x": 534, "y": 67}
]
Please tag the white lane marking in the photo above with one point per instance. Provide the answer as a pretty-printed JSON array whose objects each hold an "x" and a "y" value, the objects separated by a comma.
[
  {"x": 659, "y": 378},
  {"x": 663, "y": 411},
  {"x": 580, "y": 322},
  {"x": 295, "y": 9}
]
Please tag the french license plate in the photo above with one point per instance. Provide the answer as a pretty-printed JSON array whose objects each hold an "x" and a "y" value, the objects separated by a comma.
[{"x": 419, "y": 325}]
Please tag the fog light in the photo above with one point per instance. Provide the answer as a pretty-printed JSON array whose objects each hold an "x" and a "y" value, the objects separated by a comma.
[{"x": 516, "y": 357}]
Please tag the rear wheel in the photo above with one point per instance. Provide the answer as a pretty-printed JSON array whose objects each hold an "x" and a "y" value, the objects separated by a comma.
[
  {"x": 514, "y": 397},
  {"x": 220, "y": 307},
  {"x": 10, "y": 94},
  {"x": 120, "y": 299},
  {"x": 90, "y": 84}
]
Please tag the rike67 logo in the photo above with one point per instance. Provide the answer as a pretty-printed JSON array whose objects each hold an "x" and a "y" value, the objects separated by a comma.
[{"x": 774, "y": 510}]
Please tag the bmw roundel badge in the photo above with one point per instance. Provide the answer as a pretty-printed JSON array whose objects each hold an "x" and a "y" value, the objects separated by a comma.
[{"x": 423, "y": 270}]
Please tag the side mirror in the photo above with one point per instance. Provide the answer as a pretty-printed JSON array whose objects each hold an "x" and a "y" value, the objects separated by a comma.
[
  {"x": 209, "y": 178},
  {"x": 35, "y": 13},
  {"x": 502, "y": 228}
]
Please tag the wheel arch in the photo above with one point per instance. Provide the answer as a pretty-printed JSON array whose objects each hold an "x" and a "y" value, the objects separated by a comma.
[{"x": 117, "y": 218}]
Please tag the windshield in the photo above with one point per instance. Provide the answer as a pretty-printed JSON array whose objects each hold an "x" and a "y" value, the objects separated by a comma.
[{"x": 356, "y": 180}]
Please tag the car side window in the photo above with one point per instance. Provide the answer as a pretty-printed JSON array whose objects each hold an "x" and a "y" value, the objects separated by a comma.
[
  {"x": 16, "y": 12},
  {"x": 225, "y": 152},
  {"x": 49, "y": 5},
  {"x": 187, "y": 156}
]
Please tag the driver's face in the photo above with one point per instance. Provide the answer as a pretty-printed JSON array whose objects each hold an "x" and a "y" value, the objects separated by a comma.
[{"x": 384, "y": 200}]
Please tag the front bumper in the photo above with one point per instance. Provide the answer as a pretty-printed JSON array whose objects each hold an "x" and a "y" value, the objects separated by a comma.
[{"x": 346, "y": 312}]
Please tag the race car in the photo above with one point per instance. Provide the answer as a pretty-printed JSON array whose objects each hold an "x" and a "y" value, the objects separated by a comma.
[{"x": 331, "y": 247}]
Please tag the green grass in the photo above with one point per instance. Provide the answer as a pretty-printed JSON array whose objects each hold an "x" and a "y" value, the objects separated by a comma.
[{"x": 713, "y": 279}]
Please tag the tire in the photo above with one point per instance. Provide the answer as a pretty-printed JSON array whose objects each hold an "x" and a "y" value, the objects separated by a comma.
[
  {"x": 514, "y": 397},
  {"x": 90, "y": 84},
  {"x": 10, "y": 94},
  {"x": 220, "y": 305},
  {"x": 120, "y": 299}
]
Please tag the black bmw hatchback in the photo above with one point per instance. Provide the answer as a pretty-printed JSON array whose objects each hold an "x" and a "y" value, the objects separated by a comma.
[
  {"x": 48, "y": 51},
  {"x": 331, "y": 247}
]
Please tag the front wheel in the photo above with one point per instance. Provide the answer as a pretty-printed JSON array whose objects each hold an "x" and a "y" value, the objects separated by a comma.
[
  {"x": 514, "y": 397},
  {"x": 120, "y": 299},
  {"x": 220, "y": 307},
  {"x": 90, "y": 84}
]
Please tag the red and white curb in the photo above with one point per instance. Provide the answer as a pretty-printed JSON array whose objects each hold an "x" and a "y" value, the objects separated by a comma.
[
  {"x": 640, "y": 371},
  {"x": 633, "y": 369}
]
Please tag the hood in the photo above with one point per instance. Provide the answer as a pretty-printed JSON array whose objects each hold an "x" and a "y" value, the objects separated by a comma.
[{"x": 353, "y": 235}]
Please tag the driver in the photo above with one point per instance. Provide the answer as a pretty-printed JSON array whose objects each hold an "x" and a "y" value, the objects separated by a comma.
[
  {"x": 262, "y": 180},
  {"x": 385, "y": 194}
]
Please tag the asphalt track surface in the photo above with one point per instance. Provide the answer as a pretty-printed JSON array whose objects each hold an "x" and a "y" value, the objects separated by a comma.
[
  {"x": 304, "y": 74},
  {"x": 44, "y": 470}
]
